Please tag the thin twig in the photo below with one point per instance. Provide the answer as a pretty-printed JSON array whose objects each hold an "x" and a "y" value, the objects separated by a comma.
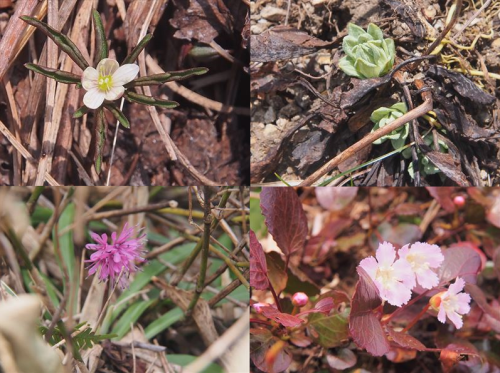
[
  {"x": 207, "y": 222},
  {"x": 114, "y": 144},
  {"x": 420, "y": 110}
]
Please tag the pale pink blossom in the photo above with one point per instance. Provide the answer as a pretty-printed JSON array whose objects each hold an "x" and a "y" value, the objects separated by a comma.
[
  {"x": 111, "y": 259},
  {"x": 300, "y": 299},
  {"x": 393, "y": 278},
  {"x": 452, "y": 303},
  {"x": 423, "y": 258}
]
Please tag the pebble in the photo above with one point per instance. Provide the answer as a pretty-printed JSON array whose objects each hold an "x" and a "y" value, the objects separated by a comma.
[{"x": 273, "y": 14}]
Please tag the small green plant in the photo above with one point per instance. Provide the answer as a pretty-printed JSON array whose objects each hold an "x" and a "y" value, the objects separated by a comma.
[
  {"x": 426, "y": 166},
  {"x": 368, "y": 54},
  {"x": 383, "y": 116}
]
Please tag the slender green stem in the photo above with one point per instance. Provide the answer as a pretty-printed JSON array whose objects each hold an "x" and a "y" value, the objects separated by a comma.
[
  {"x": 207, "y": 194},
  {"x": 31, "y": 204}
]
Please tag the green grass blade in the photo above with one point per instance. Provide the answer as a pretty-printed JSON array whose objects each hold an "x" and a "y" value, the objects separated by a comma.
[
  {"x": 184, "y": 360},
  {"x": 130, "y": 316},
  {"x": 138, "y": 49},
  {"x": 101, "y": 138},
  {"x": 163, "y": 322},
  {"x": 146, "y": 100},
  {"x": 58, "y": 75},
  {"x": 166, "y": 77},
  {"x": 61, "y": 40},
  {"x": 117, "y": 113},
  {"x": 66, "y": 240},
  {"x": 102, "y": 45}
]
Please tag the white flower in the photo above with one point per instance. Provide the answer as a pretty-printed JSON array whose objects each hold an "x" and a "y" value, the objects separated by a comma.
[
  {"x": 422, "y": 258},
  {"x": 452, "y": 303},
  {"x": 392, "y": 277},
  {"x": 106, "y": 82}
]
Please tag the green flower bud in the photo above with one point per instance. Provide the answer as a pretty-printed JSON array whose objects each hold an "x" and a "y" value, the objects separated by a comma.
[
  {"x": 368, "y": 54},
  {"x": 383, "y": 116}
]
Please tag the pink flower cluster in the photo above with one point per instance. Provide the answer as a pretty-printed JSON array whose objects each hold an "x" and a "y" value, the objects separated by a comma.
[
  {"x": 120, "y": 255},
  {"x": 396, "y": 277}
]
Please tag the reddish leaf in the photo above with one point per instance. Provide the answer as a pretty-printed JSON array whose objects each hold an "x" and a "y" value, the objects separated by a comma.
[
  {"x": 319, "y": 246},
  {"x": 283, "y": 318},
  {"x": 406, "y": 340},
  {"x": 258, "y": 266},
  {"x": 450, "y": 355},
  {"x": 261, "y": 341},
  {"x": 366, "y": 297},
  {"x": 344, "y": 359},
  {"x": 335, "y": 198},
  {"x": 285, "y": 218},
  {"x": 324, "y": 306},
  {"x": 300, "y": 339},
  {"x": 477, "y": 294},
  {"x": 460, "y": 261},
  {"x": 276, "y": 271},
  {"x": 493, "y": 214},
  {"x": 398, "y": 235},
  {"x": 364, "y": 326},
  {"x": 443, "y": 196}
]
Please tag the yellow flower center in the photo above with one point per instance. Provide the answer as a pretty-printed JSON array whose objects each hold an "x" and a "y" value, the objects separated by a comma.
[
  {"x": 385, "y": 276},
  {"x": 105, "y": 83}
]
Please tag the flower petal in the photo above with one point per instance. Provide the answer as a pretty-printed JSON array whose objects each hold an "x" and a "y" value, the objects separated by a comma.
[
  {"x": 442, "y": 313},
  {"x": 93, "y": 98},
  {"x": 386, "y": 254},
  {"x": 107, "y": 66},
  {"x": 114, "y": 93},
  {"x": 398, "y": 294},
  {"x": 403, "y": 272},
  {"x": 370, "y": 265},
  {"x": 463, "y": 303},
  {"x": 125, "y": 74},
  {"x": 455, "y": 318},
  {"x": 427, "y": 279},
  {"x": 457, "y": 286},
  {"x": 89, "y": 78}
]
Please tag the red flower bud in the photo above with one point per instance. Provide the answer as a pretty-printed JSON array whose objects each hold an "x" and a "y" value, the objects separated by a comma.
[{"x": 300, "y": 299}]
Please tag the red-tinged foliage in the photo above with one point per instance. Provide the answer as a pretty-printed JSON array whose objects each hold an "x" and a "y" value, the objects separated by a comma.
[
  {"x": 276, "y": 271},
  {"x": 285, "y": 218},
  {"x": 319, "y": 246},
  {"x": 300, "y": 340},
  {"x": 258, "y": 266},
  {"x": 334, "y": 199},
  {"x": 364, "y": 326},
  {"x": 477, "y": 294},
  {"x": 443, "y": 196},
  {"x": 282, "y": 318},
  {"x": 459, "y": 261},
  {"x": 405, "y": 340},
  {"x": 452, "y": 354},
  {"x": 324, "y": 306},
  {"x": 491, "y": 202},
  {"x": 261, "y": 341},
  {"x": 343, "y": 359}
]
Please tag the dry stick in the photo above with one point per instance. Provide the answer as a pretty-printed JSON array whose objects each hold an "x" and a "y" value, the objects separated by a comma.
[
  {"x": 50, "y": 128},
  {"x": 420, "y": 110},
  {"x": 26, "y": 154},
  {"x": 447, "y": 29},
  {"x": 469, "y": 21},
  {"x": 135, "y": 210},
  {"x": 398, "y": 76},
  {"x": 207, "y": 222},
  {"x": 224, "y": 292}
]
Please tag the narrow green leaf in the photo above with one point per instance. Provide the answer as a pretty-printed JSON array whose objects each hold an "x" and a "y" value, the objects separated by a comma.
[
  {"x": 138, "y": 49},
  {"x": 166, "y": 77},
  {"x": 119, "y": 116},
  {"x": 101, "y": 137},
  {"x": 102, "y": 45},
  {"x": 130, "y": 317},
  {"x": 163, "y": 322},
  {"x": 146, "y": 100},
  {"x": 81, "y": 112},
  {"x": 66, "y": 240},
  {"x": 59, "y": 75},
  {"x": 61, "y": 40},
  {"x": 331, "y": 330},
  {"x": 185, "y": 360}
]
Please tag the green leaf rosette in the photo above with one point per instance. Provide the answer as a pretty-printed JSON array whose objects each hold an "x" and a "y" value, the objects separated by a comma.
[
  {"x": 368, "y": 54},
  {"x": 383, "y": 116}
]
